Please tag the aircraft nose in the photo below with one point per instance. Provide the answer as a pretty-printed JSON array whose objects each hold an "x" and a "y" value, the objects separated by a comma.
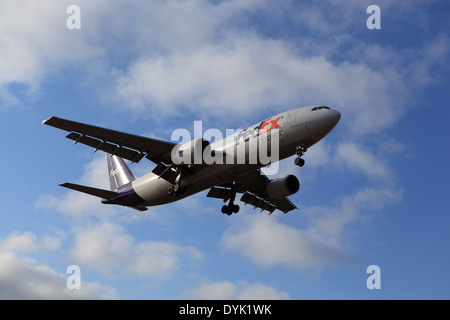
[
  {"x": 331, "y": 118},
  {"x": 335, "y": 117}
]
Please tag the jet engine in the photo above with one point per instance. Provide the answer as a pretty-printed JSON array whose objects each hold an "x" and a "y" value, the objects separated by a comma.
[
  {"x": 282, "y": 187},
  {"x": 189, "y": 153}
]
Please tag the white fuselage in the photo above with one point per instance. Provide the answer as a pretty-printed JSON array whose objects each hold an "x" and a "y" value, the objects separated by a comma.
[{"x": 236, "y": 154}]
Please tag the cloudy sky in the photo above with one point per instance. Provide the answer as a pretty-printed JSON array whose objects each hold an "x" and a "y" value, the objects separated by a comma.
[{"x": 374, "y": 192}]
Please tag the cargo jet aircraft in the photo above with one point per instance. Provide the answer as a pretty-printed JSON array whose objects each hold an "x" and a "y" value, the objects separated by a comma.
[{"x": 178, "y": 175}]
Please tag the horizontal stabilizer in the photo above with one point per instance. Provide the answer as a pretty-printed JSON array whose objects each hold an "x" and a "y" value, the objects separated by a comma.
[{"x": 105, "y": 194}]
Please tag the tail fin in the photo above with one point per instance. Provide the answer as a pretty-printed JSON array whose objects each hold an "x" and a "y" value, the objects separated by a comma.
[{"x": 119, "y": 173}]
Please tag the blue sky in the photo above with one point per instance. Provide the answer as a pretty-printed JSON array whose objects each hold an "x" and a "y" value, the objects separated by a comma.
[{"x": 374, "y": 192}]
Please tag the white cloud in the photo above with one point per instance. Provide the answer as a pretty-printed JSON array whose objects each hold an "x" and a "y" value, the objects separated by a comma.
[
  {"x": 226, "y": 290},
  {"x": 246, "y": 73},
  {"x": 157, "y": 56},
  {"x": 267, "y": 242},
  {"x": 107, "y": 247},
  {"x": 329, "y": 223},
  {"x": 36, "y": 42},
  {"x": 22, "y": 278},
  {"x": 358, "y": 158},
  {"x": 214, "y": 291},
  {"x": 78, "y": 205},
  {"x": 190, "y": 53},
  {"x": 28, "y": 242}
]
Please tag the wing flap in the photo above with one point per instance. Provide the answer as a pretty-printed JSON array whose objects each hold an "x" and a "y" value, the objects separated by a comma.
[
  {"x": 219, "y": 193},
  {"x": 257, "y": 202},
  {"x": 106, "y": 147},
  {"x": 283, "y": 204}
]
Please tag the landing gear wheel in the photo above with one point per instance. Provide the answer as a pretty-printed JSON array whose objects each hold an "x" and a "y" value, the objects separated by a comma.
[
  {"x": 231, "y": 207},
  {"x": 177, "y": 189},
  {"x": 300, "y": 150},
  {"x": 226, "y": 209},
  {"x": 299, "y": 162}
]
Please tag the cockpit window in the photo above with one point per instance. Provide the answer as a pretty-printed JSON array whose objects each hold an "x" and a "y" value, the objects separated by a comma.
[{"x": 319, "y": 108}]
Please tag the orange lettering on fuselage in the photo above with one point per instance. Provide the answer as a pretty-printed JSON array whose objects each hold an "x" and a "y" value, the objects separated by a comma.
[{"x": 265, "y": 126}]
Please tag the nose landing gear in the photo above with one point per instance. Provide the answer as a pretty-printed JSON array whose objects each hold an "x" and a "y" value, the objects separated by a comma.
[{"x": 300, "y": 150}]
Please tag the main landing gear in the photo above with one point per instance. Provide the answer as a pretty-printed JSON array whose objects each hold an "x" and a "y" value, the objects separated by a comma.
[
  {"x": 300, "y": 150},
  {"x": 231, "y": 207},
  {"x": 177, "y": 188}
]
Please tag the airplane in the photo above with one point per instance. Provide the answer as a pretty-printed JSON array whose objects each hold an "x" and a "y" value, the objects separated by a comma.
[{"x": 177, "y": 176}]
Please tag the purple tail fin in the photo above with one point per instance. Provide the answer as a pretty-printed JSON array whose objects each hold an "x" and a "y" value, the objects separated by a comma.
[{"x": 119, "y": 173}]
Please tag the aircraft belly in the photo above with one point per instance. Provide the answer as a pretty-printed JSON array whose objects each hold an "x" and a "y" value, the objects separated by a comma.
[
  {"x": 217, "y": 175},
  {"x": 151, "y": 188},
  {"x": 154, "y": 190}
]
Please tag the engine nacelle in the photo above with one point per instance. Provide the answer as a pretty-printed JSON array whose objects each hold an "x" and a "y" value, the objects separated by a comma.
[
  {"x": 282, "y": 187},
  {"x": 189, "y": 153}
]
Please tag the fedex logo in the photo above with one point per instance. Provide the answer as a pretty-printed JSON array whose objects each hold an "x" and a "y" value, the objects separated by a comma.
[
  {"x": 268, "y": 125},
  {"x": 264, "y": 127},
  {"x": 114, "y": 172}
]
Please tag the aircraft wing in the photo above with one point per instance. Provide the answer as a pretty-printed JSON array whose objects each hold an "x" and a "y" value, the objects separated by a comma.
[
  {"x": 252, "y": 185},
  {"x": 124, "y": 145}
]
